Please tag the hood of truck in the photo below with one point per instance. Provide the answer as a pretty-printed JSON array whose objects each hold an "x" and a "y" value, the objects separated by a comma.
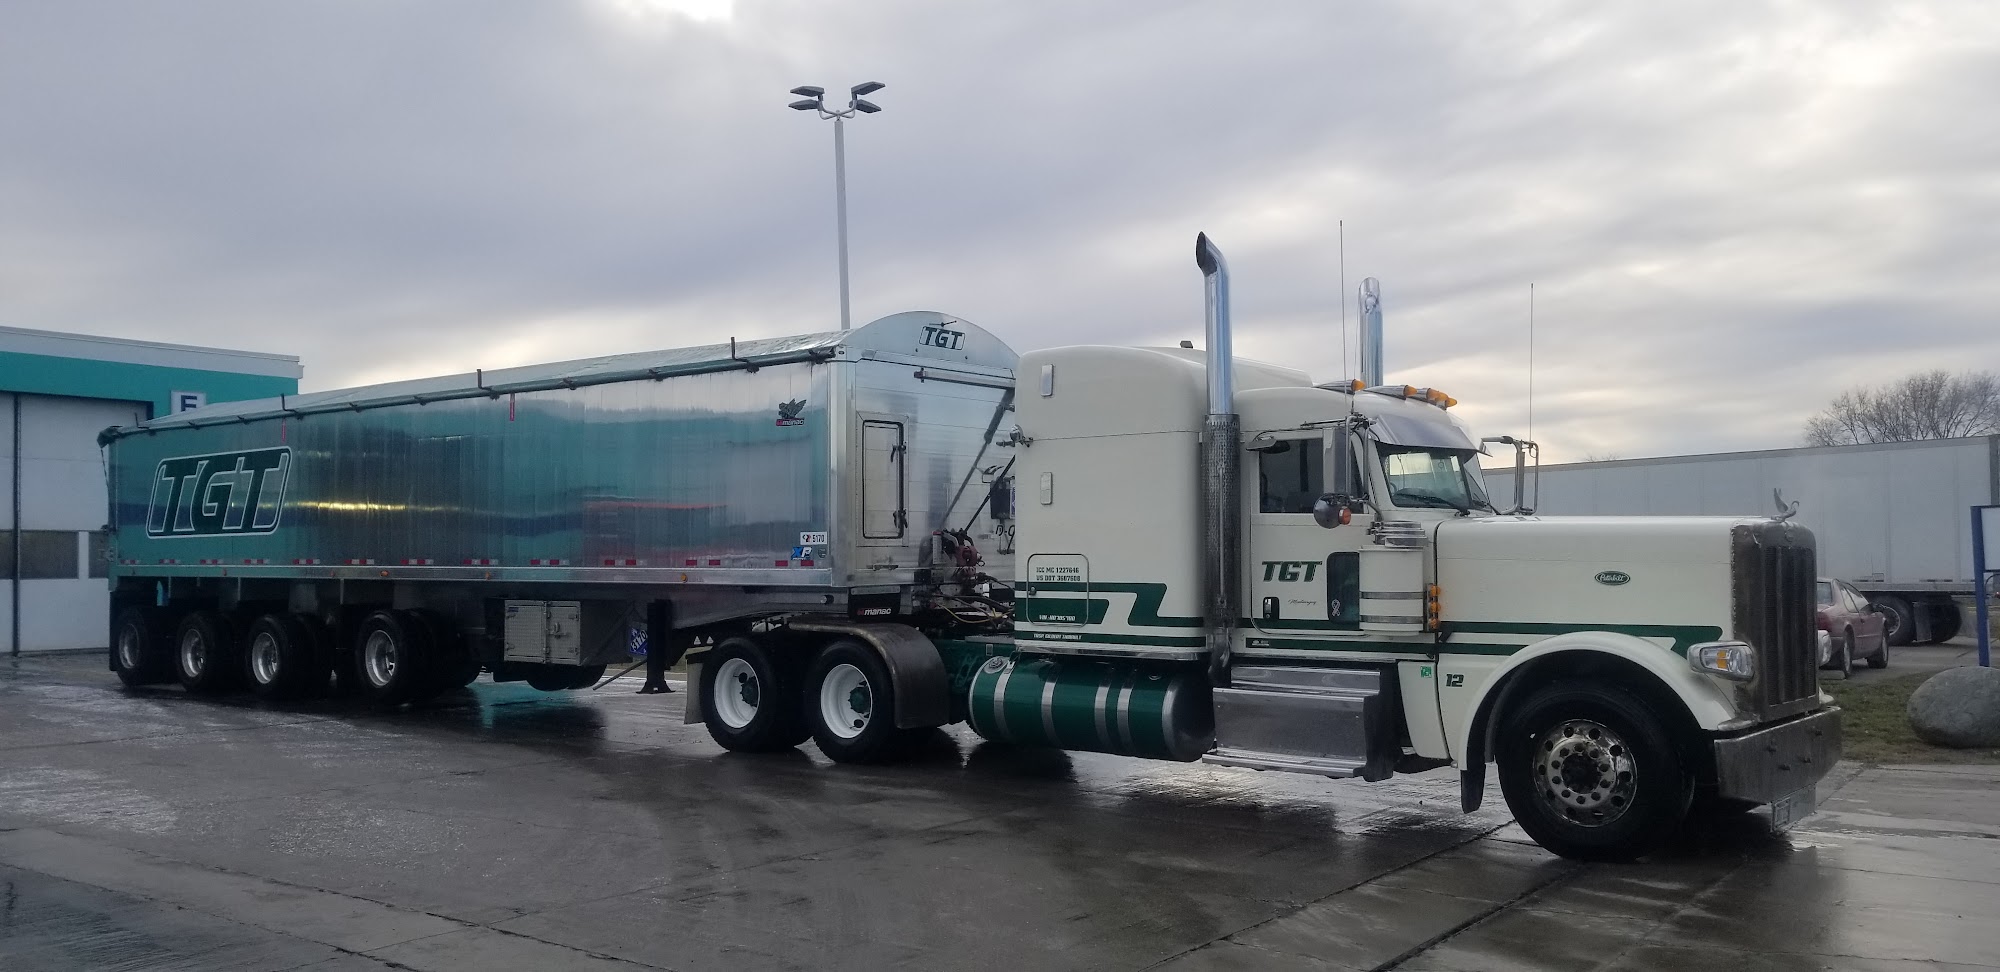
[{"x": 1513, "y": 579}]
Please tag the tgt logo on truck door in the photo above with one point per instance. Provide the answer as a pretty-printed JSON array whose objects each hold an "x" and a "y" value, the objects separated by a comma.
[
  {"x": 1290, "y": 571},
  {"x": 223, "y": 494}
]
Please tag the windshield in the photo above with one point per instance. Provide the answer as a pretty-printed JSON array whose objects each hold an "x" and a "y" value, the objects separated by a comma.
[{"x": 1433, "y": 478}]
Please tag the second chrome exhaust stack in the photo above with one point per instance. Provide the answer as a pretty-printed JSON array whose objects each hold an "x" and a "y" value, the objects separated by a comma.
[{"x": 1221, "y": 472}]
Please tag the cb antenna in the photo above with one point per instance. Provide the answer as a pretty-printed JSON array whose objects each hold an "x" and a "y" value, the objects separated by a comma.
[{"x": 1531, "y": 361}]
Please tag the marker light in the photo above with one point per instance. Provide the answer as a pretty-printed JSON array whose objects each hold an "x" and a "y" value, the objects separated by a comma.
[
  {"x": 1433, "y": 608},
  {"x": 1730, "y": 659}
]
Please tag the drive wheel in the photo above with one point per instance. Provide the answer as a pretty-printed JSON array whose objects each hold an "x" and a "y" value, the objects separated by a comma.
[
  {"x": 390, "y": 658},
  {"x": 851, "y": 705},
  {"x": 1591, "y": 772},
  {"x": 281, "y": 658},
  {"x": 750, "y": 698},
  {"x": 205, "y": 653},
  {"x": 142, "y": 642},
  {"x": 1899, "y": 621}
]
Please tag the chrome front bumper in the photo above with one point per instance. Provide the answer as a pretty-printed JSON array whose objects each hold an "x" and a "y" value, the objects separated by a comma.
[{"x": 1767, "y": 764}]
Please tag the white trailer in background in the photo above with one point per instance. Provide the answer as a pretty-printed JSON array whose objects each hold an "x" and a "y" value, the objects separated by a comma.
[{"x": 1889, "y": 517}]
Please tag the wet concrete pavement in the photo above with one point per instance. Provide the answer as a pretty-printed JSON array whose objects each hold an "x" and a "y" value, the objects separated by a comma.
[{"x": 507, "y": 829}]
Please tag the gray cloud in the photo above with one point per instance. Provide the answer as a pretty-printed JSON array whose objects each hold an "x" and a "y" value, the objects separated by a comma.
[{"x": 1730, "y": 210}]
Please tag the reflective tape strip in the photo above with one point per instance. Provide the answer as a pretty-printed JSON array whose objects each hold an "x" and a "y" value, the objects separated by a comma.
[
  {"x": 360, "y": 561},
  {"x": 481, "y": 562},
  {"x": 418, "y": 561},
  {"x": 305, "y": 561}
]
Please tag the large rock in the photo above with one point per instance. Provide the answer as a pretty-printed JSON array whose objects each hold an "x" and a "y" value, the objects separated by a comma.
[{"x": 1958, "y": 707}]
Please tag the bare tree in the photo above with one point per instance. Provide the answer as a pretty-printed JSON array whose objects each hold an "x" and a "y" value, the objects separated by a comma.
[{"x": 1926, "y": 405}]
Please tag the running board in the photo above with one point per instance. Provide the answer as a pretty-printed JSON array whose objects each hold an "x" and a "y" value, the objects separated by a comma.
[{"x": 1317, "y": 766}]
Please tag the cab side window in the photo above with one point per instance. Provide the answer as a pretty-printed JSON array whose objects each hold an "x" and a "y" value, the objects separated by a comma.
[{"x": 1289, "y": 476}]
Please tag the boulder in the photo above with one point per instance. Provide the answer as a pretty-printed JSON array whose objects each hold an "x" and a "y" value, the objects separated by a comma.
[{"x": 1958, "y": 707}]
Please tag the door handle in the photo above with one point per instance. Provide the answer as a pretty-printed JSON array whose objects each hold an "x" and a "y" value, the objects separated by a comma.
[{"x": 1270, "y": 609}]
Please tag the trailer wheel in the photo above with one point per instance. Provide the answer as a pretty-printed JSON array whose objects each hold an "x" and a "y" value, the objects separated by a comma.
[
  {"x": 851, "y": 705},
  {"x": 751, "y": 698},
  {"x": 206, "y": 653},
  {"x": 1899, "y": 622},
  {"x": 452, "y": 664},
  {"x": 281, "y": 658},
  {"x": 1945, "y": 621},
  {"x": 391, "y": 657},
  {"x": 142, "y": 646},
  {"x": 1591, "y": 772}
]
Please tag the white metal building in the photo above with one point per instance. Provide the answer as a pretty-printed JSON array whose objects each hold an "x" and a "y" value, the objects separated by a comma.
[{"x": 57, "y": 391}]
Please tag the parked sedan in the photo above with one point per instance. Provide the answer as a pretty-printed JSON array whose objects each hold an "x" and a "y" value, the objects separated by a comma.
[{"x": 1852, "y": 626}]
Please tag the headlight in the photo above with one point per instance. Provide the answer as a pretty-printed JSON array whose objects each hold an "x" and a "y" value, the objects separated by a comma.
[{"x": 1729, "y": 659}]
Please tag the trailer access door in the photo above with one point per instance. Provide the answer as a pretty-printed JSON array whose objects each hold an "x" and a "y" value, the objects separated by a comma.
[{"x": 883, "y": 515}]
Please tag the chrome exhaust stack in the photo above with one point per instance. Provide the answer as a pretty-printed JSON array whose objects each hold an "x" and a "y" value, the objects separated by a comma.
[
  {"x": 1221, "y": 472},
  {"x": 1371, "y": 332}
]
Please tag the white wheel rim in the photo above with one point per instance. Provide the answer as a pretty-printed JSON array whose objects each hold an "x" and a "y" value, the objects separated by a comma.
[
  {"x": 264, "y": 658},
  {"x": 846, "y": 701},
  {"x": 128, "y": 648},
  {"x": 379, "y": 657},
  {"x": 194, "y": 654},
  {"x": 738, "y": 693}
]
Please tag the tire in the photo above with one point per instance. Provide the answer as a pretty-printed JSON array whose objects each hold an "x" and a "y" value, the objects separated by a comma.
[
  {"x": 1880, "y": 659},
  {"x": 1899, "y": 622},
  {"x": 453, "y": 664},
  {"x": 1545, "y": 751},
  {"x": 282, "y": 658},
  {"x": 1946, "y": 621},
  {"x": 392, "y": 658},
  {"x": 562, "y": 678},
  {"x": 142, "y": 642},
  {"x": 1846, "y": 666},
  {"x": 850, "y": 704},
  {"x": 207, "y": 653},
  {"x": 751, "y": 699}
]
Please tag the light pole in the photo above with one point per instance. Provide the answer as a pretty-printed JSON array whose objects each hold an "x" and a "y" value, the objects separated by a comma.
[{"x": 814, "y": 99}]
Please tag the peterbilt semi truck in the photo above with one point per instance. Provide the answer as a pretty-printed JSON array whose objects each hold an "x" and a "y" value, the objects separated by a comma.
[
  {"x": 857, "y": 537},
  {"x": 1890, "y": 517}
]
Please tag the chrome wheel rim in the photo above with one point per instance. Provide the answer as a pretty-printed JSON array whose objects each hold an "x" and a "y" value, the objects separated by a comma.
[
  {"x": 379, "y": 657},
  {"x": 738, "y": 693},
  {"x": 846, "y": 701},
  {"x": 193, "y": 654},
  {"x": 264, "y": 659},
  {"x": 128, "y": 648},
  {"x": 1584, "y": 772}
]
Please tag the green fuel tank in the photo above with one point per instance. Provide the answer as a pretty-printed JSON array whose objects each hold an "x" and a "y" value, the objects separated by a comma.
[{"x": 1150, "y": 711}]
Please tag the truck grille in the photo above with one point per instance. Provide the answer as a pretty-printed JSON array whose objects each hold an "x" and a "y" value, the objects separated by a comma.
[{"x": 1774, "y": 568}]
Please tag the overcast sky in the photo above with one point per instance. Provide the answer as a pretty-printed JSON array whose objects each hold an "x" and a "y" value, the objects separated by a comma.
[{"x": 1730, "y": 210}]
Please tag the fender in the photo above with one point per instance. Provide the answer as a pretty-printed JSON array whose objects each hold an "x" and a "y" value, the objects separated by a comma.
[
  {"x": 923, "y": 690},
  {"x": 1707, "y": 701}
]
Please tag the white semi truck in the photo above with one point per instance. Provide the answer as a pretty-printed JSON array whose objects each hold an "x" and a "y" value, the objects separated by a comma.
[
  {"x": 856, "y": 537},
  {"x": 1891, "y": 518}
]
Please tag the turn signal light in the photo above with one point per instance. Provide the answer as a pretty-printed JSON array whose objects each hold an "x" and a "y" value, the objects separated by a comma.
[
  {"x": 1730, "y": 659},
  {"x": 1433, "y": 611}
]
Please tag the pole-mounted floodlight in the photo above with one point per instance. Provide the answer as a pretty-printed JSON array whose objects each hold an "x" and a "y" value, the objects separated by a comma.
[{"x": 814, "y": 99}]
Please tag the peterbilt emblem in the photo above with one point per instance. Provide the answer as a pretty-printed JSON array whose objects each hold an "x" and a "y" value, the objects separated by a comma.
[
  {"x": 218, "y": 495},
  {"x": 788, "y": 412},
  {"x": 1613, "y": 578}
]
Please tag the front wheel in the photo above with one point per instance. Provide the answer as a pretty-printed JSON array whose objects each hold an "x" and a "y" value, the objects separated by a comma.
[
  {"x": 1591, "y": 772},
  {"x": 751, "y": 699},
  {"x": 851, "y": 704},
  {"x": 1846, "y": 665}
]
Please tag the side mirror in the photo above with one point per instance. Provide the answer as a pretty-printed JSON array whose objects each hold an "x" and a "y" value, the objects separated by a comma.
[{"x": 1331, "y": 511}]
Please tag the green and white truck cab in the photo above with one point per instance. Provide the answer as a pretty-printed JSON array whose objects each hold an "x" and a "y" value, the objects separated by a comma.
[{"x": 1387, "y": 616}]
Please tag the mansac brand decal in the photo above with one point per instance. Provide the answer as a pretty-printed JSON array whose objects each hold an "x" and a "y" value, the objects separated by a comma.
[
  {"x": 223, "y": 494},
  {"x": 1613, "y": 578},
  {"x": 788, "y": 412}
]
